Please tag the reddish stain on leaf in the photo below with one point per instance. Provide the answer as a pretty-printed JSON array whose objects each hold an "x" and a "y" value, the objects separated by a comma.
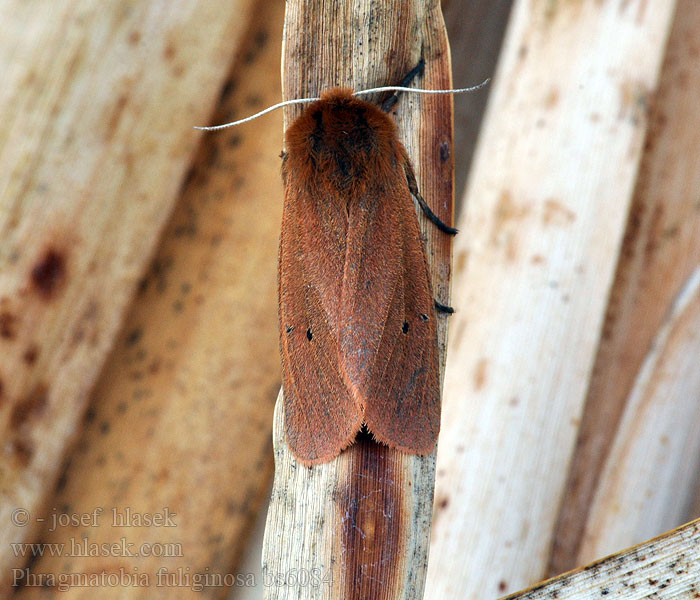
[
  {"x": 49, "y": 273},
  {"x": 169, "y": 51},
  {"x": 31, "y": 406},
  {"x": 23, "y": 450},
  {"x": 481, "y": 373},
  {"x": 7, "y": 325},
  {"x": 31, "y": 354}
]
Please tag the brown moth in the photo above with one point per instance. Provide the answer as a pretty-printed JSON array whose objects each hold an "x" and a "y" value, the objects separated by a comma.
[{"x": 357, "y": 316}]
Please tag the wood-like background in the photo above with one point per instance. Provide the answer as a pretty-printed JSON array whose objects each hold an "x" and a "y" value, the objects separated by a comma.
[{"x": 138, "y": 331}]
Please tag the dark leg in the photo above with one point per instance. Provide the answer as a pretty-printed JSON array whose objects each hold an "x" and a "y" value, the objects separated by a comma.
[
  {"x": 413, "y": 188},
  {"x": 389, "y": 103},
  {"x": 443, "y": 308},
  {"x": 410, "y": 176}
]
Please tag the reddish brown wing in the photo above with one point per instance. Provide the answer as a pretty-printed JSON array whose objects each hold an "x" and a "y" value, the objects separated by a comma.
[
  {"x": 389, "y": 334},
  {"x": 321, "y": 418}
]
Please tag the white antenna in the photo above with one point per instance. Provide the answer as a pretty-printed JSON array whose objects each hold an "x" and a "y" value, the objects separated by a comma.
[
  {"x": 398, "y": 88},
  {"x": 389, "y": 88},
  {"x": 260, "y": 114}
]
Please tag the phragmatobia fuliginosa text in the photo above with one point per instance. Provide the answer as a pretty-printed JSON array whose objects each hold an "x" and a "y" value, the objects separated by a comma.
[{"x": 358, "y": 331}]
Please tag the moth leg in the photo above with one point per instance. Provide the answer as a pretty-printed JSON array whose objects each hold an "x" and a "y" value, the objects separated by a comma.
[
  {"x": 389, "y": 103},
  {"x": 413, "y": 188},
  {"x": 443, "y": 308}
]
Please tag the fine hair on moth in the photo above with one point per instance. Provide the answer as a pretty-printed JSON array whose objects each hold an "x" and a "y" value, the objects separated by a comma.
[{"x": 357, "y": 314}]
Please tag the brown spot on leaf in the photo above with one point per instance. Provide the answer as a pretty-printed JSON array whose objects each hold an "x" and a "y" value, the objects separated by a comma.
[
  {"x": 8, "y": 323},
  {"x": 32, "y": 406},
  {"x": 49, "y": 273},
  {"x": 261, "y": 37},
  {"x": 506, "y": 214},
  {"x": 133, "y": 336},
  {"x": 163, "y": 474},
  {"x": 89, "y": 414},
  {"x": 254, "y": 48},
  {"x": 461, "y": 260},
  {"x": 480, "y": 373},
  {"x": 134, "y": 37},
  {"x": 253, "y": 100},
  {"x": 23, "y": 450},
  {"x": 63, "y": 477},
  {"x": 31, "y": 354},
  {"x": 115, "y": 117},
  {"x": 555, "y": 213},
  {"x": 169, "y": 51},
  {"x": 552, "y": 98},
  {"x": 227, "y": 89}
]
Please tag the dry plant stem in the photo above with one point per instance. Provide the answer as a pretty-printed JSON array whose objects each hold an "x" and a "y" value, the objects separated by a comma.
[
  {"x": 653, "y": 464},
  {"x": 362, "y": 521},
  {"x": 546, "y": 210},
  {"x": 660, "y": 251},
  {"x": 666, "y": 567},
  {"x": 180, "y": 418},
  {"x": 91, "y": 157}
]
